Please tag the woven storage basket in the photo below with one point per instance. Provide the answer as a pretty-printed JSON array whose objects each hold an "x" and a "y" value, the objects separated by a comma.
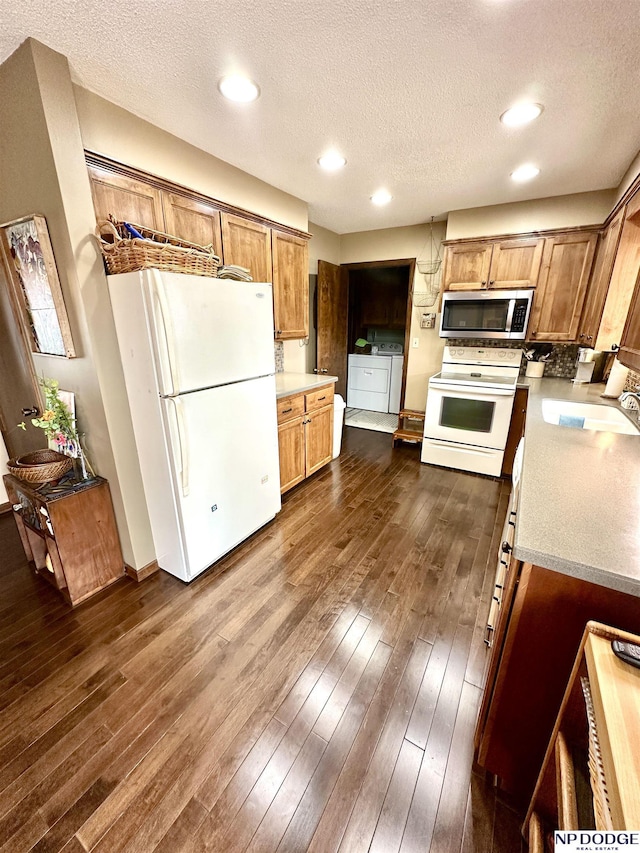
[
  {"x": 156, "y": 251},
  {"x": 41, "y": 466}
]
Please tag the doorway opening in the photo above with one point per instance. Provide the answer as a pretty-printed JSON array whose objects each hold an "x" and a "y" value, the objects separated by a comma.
[{"x": 378, "y": 341}]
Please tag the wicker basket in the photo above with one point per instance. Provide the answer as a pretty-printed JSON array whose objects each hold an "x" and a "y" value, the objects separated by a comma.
[
  {"x": 123, "y": 253},
  {"x": 41, "y": 466}
]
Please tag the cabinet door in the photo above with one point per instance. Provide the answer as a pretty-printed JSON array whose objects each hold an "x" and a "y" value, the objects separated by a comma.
[
  {"x": 600, "y": 278},
  {"x": 291, "y": 436},
  {"x": 319, "y": 438},
  {"x": 125, "y": 198},
  {"x": 562, "y": 287},
  {"x": 623, "y": 279},
  {"x": 375, "y": 304},
  {"x": 290, "y": 285},
  {"x": 247, "y": 244},
  {"x": 516, "y": 263},
  {"x": 466, "y": 267},
  {"x": 192, "y": 220},
  {"x": 629, "y": 353}
]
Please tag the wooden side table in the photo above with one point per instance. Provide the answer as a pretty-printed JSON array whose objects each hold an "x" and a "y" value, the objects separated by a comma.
[{"x": 68, "y": 531}]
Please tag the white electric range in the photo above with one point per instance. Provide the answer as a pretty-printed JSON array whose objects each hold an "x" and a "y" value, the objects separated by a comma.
[{"x": 469, "y": 407}]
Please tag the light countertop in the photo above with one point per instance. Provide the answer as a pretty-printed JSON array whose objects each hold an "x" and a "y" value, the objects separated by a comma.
[
  {"x": 579, "y": 510},
  {"x": 297, "y": 383}
]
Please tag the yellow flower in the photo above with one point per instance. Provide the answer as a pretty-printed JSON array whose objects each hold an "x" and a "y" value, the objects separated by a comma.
[{"x": 48, "y": 415}]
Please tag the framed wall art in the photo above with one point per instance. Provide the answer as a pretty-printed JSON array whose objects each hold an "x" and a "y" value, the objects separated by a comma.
[{"x": 32, "y": 268}]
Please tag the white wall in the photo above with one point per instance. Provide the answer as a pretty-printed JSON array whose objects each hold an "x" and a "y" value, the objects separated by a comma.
[
  {"x": 536, "y": 215},
  {"x": 126, "y": 138},
  {"x": 397, "y": 243},
  {"x": 629, "y": 177}
]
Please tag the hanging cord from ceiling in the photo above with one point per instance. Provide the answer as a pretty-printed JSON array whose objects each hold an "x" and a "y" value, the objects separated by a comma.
[{"x": 430, "y": 268}]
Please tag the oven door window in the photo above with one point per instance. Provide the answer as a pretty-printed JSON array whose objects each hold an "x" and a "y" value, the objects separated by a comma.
[
  {"x": 463, "y": 413},
  {"x": 488, "y": 315}
]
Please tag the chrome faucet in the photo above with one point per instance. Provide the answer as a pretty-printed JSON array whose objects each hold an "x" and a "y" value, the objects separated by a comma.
[{"x": 631, "y": 395}]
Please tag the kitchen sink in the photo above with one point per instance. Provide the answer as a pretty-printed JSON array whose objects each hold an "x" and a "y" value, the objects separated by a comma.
[{"x": 587, "y": 416}]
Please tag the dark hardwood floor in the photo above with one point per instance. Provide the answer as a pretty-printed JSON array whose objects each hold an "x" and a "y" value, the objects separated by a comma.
[{"x": 318, "y": 694}]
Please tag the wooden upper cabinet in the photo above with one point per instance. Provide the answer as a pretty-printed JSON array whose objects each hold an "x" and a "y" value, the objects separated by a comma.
[
  {"x": 629, "y": 353},
  {"x": 600, "y": 278},
  {"x": 195, "y": 221},
  {"x": 466, "y": 266},
  {"x": 290, "y": 285},
  {"x": 562, "y": 287},
  {"x": 509, "y": 264},
  {"x": 126, "y": 198},
  {"x": 623, "y": 279},
  {"x": 247, "y": 244},
  {"x": 515, "y": 264}
]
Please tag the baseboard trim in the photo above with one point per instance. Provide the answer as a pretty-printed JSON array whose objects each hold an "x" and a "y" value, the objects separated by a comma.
[
  {"x": 143, "y": 573},
  {"x": 6, "y": 507}
]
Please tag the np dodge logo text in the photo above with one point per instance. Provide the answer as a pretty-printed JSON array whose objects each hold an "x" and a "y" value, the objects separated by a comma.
[{"x": 594, "y": 840}]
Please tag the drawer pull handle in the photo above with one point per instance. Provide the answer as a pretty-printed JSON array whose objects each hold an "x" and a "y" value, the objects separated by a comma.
[
  {"x": 322, "y": 398},
  {"x": 286, "y": 411}
]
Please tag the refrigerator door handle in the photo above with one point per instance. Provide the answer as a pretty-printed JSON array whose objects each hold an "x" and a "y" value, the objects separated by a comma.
[
  {"x": 166, "y": 341},
  {"x": 184, "y": 444}
]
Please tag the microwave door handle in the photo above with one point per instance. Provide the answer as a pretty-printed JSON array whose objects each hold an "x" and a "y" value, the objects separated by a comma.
[{"x": 510, "y": 310}]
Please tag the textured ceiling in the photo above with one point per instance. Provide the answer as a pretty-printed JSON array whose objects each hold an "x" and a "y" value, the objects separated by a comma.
[{"x": 409, "y": 90}]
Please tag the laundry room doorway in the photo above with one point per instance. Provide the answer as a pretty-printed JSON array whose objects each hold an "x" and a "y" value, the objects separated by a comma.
[{"x": 363, "y": 336}]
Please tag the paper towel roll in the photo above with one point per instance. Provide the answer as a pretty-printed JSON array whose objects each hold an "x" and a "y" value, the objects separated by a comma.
[{"x": 616, "y": 380}]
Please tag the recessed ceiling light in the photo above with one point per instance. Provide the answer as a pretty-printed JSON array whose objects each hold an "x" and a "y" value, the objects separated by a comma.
[
  {"x": 525, "y": 172},
  {"x": 237, "y": 88},
  {"x": 521, "y": 114},
  {"x": 331, "y": 161},
  {"x": 381, "y": 197}
]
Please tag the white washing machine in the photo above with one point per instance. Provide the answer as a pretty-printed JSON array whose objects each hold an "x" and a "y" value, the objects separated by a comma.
[
  {"x": 368, "y": 383},
  {"x": 374, "y": 381}
]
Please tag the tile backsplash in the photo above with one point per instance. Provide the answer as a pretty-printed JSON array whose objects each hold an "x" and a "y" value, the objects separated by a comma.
[
  {"x": 561, "y": 362},
  {"x": 278, "y": 348},
  {"x": 632, "y": 382}
]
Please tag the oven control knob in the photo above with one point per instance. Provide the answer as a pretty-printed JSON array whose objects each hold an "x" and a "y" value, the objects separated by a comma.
[{"x": 501, "y": 354}]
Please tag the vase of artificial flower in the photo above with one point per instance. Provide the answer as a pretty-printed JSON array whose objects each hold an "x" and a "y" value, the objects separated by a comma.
[{"x": 59, "y": 426}]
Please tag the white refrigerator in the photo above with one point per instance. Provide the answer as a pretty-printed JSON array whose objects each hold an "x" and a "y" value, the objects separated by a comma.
[{"x": 199, "y": 369}]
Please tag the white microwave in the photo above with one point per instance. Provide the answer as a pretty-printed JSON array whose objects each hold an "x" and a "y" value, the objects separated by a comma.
[{"x": 501, "y": 314}]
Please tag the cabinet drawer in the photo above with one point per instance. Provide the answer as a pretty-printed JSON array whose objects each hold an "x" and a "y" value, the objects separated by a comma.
[
  {"x": 318, "y": 399},
  {"x": 290, "y": 407}
]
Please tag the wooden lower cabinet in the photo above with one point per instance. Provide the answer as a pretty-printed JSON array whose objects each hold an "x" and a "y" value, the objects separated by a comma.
[
  {"x": 516, "y": 429},
  {"x": 305, "y": 435},
  {"x": 69, "y": 533},
  {"x": 540, "y": 628},
  {"x": 291, "y": 445}
]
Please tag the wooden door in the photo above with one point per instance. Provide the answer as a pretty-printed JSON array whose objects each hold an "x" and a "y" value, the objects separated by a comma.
[
  {"x": 629, "y": 353},
  {"x": 600, "y": 278},
  {"x": 18, "y": 386},
  {"x": 623, "y": 280},
  {"x": 562, "y": 287},
  {"x": 126, "y": 198},
  {"x": 319, "y": 438},
  {"x": 247, "y": 244},
  {"x": 192, "y": 220},
  {"x": 291, "y": 435},
  {"x": 333, "y": 311},
  {"x": 290, "y": 256},
  {"x": 516, "y": 263},
  {"x": 466, "y": 266}
]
